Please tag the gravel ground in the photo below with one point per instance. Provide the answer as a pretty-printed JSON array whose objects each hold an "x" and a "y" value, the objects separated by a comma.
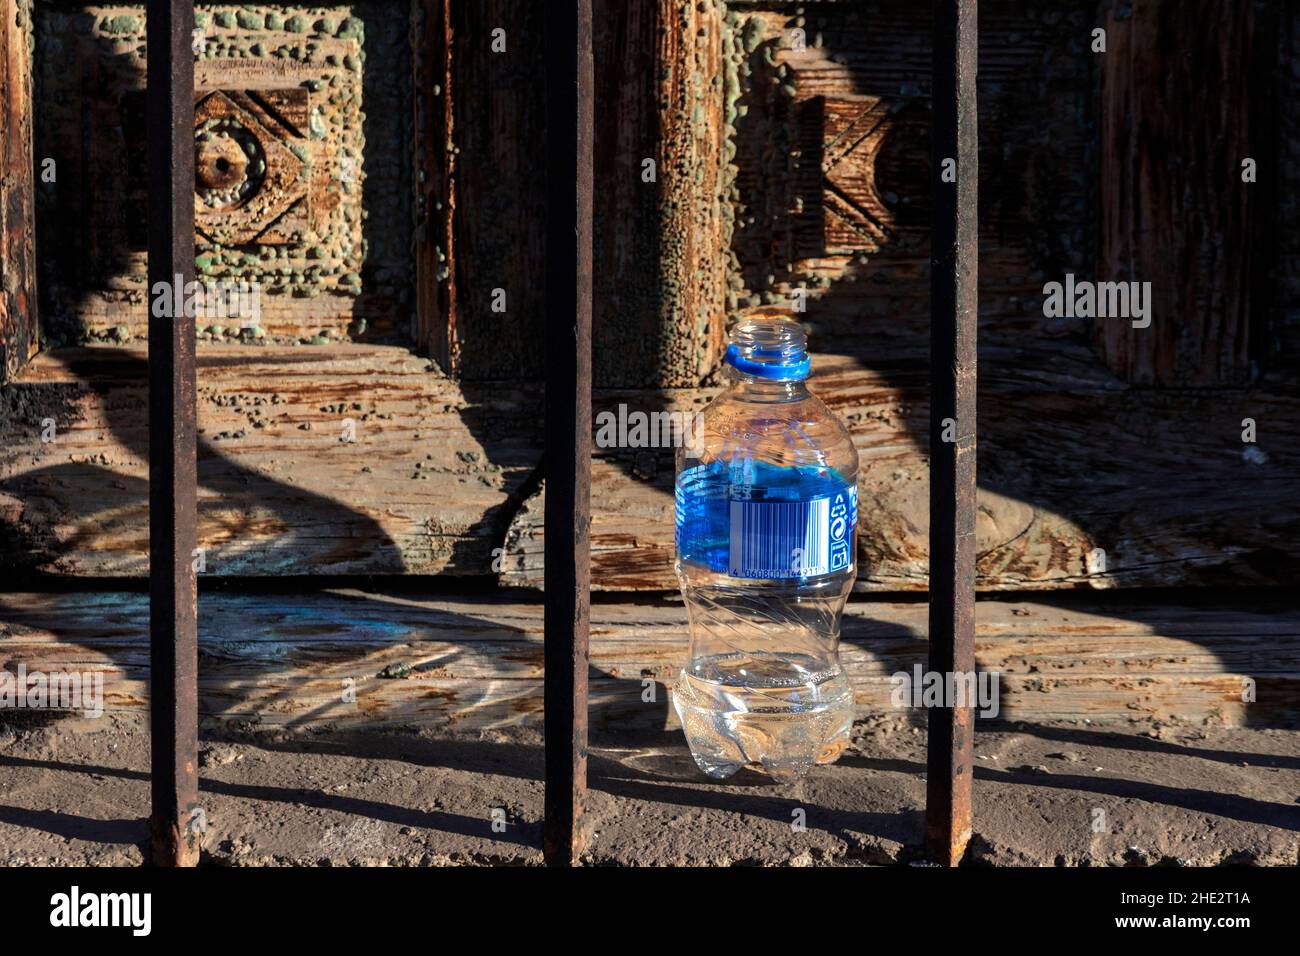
[{"x": 76, "y": 792}]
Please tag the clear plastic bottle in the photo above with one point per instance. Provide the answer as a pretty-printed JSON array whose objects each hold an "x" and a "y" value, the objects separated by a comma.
[{"x": 766, "y": 533}]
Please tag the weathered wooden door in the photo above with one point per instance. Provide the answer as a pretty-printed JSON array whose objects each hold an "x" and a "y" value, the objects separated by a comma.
[
  {"x": 750, "y": 155},
  {"x": 791, "y": 149}
]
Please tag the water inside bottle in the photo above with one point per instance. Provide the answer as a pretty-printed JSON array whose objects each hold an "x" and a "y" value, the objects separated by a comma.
[{"x": 777, "y": 713}]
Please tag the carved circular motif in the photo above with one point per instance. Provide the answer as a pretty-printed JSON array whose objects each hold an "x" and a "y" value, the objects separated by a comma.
[{"x": 229, "y": 165}]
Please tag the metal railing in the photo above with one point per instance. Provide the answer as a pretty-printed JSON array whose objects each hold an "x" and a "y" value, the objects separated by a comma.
[
  {"x": 175, "y": 817},
  {"x": 173, "y": 492},
  {"x": 954, "y": 312}
]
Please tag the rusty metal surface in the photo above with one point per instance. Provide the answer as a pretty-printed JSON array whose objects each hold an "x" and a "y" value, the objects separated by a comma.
[
  {"x": 569, "y": 99},
  {"x": 173, "y": 600},
  {"x": 954, "y": 261}
]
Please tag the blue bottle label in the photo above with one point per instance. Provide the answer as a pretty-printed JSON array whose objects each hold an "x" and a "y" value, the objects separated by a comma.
[{"x": 798, "y": 529}]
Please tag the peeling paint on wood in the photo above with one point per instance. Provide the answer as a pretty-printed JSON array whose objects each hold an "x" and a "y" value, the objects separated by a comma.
[
  {"x": 19, "y": 334},
  {"x": 661, "y": 260}
]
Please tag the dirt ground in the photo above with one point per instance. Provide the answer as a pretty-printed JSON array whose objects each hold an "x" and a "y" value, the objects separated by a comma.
[{"x": 76, "y": 792}]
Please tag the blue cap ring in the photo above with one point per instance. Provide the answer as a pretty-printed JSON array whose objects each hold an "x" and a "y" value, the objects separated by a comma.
[{"x": 776, "y": 371}]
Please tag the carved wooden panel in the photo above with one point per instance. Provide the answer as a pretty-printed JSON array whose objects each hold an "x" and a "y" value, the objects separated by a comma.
[
  {"x": 287, "y": 195},
  {"x": 861, "y": 185},
  {"x": 250, "y": 186},
  {"x": 829, "y": 119}
]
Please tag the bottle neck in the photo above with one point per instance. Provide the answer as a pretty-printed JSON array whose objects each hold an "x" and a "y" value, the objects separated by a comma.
[{"x": 752, "y": 388}]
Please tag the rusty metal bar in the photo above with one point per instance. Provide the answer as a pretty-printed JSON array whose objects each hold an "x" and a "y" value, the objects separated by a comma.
[
  {"x": 173, "y": 598},
  {"x": 569, "y": 131},
  {"x": 954, "y": 265}
]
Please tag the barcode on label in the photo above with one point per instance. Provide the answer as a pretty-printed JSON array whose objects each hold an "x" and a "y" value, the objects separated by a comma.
[{"x": 780, "y": 539}]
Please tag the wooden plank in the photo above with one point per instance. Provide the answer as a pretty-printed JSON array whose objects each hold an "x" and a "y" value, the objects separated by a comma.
[
  {"x": 1139, "y": 473},
  {"x": 1175, "y": 211},
  {"x": 248, "y": 640},
  {"x": 437, "y": 334},
  {"x": 19, "y": 332},
  {"x": 476, "y": 662},
  {"x": 500, "y": 188},
  {"x": 425, "y": 487},
  {"x": 1283, "y": 110},
  {"x": 619, "y": 707},
  {"x": 661, "y": 242}
]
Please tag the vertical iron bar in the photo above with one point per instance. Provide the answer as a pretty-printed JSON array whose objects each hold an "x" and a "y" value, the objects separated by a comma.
[
  {"x": 954, "y": 263},
  {"x": 569, "y": 131},
  {"x": 173, "y": 601}
]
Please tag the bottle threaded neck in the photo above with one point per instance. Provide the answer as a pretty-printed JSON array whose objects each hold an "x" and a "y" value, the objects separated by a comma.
[{"x": 769, "y": 347}]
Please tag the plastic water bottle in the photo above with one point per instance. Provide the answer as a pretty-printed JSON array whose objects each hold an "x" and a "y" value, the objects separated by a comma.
[{"x": 766, "y": 528}]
